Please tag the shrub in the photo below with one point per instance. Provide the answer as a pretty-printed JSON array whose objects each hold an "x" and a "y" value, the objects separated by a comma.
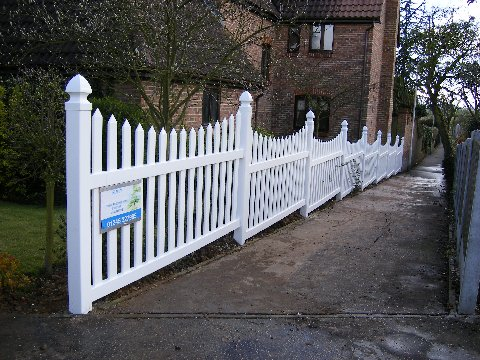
[
  {"x": 264, "y": 132},
  {"x": 10, "y": 275},
  {"x": 11, "y": 188},
  {"x": 61, "y": 249},
  {"x": 121, "y": 110}
]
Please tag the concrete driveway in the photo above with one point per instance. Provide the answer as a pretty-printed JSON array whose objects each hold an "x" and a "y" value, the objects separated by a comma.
[{"x": 364, "y": 278}]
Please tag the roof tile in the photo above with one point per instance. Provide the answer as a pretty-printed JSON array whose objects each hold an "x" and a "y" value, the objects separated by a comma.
[{"x": 332, "y": 9}]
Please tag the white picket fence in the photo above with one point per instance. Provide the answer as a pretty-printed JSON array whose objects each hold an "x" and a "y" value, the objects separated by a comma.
[
  {"x": 467, "y": 221},
  {"x": 198, "y": 187}
]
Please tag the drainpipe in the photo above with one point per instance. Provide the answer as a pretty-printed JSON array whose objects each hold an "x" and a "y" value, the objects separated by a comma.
[
  {"x": 257, "y": 98},
  {"x": 364, "y": 74}
]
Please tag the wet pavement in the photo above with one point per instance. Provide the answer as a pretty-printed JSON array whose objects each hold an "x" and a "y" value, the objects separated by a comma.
[{"x": 364, "y": 278}]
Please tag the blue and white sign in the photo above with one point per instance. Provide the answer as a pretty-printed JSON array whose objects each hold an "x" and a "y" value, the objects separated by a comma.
[{"x": 120, "y": 205}]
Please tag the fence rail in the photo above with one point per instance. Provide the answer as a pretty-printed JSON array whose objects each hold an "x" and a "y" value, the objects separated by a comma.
[
  {"x": 192, "y": 188},
  {"x": 467, "y": 221}
]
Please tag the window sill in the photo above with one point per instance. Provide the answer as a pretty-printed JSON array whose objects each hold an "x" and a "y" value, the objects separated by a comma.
[
  {"x": 320, "y": 53},
  {"x": 292, "y": 54}
]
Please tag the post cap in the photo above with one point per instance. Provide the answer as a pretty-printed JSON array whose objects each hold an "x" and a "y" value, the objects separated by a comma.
[
  {"x": 246, "y": 97},
  {"x": 78, "y": 84},
  {"x": 310, "y": 115}
]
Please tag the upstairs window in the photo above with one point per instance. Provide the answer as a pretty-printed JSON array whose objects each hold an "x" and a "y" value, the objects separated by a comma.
[
  {"x": 321, "y": 37},
  {"x": 320, "y": 105},
  {"x": 293, "y": 39},
  {"x": 210, "y": 106}
]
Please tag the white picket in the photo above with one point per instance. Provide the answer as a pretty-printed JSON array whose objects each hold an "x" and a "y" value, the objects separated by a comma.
[
  {"x": 97, "y": 238},
  {"x": 216, "y": 150},
  {"x": 172, "y": 193},
  {"x": 112, "y": 165},
  {"x": 228, "y": 199},
  {"x": 150, "y": 200},
  {"x": 182, "y": 154},
  {"x": 199, "y": 189},
  {"x": 208, "y": 182},
  {"x": 138, "y": 226},
  {"x": 192, "y": 144},
  {"x": 236, "y": 166},
  {"x": 222, "y": 179},
  {"x": 126, "y": 163},
  {"x": 162, "y": 193}
]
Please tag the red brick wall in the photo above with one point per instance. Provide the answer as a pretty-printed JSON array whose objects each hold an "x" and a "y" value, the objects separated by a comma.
[
  {"x": 339, "y": 75},
  {"x": 229, "y": 102},
  {"x": 249, "y": 29},
  {"x": 374, "y": 68},
  {"x": 385, "y": 104},
  {"x": 403, "y": 129},
  {"x": 336, "y": 74}
]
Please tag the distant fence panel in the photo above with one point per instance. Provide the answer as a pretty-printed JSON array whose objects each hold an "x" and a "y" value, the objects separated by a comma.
[
  {"x": 159, "y": 197},
  {"x": 371, "y": 161},
  {"x": 467, "y": 221}
]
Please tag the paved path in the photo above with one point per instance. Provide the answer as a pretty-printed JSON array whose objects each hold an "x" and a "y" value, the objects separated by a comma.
[{"x": 365, "y": 278}]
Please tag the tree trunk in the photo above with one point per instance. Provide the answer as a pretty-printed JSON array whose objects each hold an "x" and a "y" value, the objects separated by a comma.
[
  {"x": 449, "y": 154},
  {"x": 50, "y": 194}
]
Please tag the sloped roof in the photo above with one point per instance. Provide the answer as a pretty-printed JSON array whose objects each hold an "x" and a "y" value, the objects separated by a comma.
[
  {"x": 343, "y": 10},
  {"x": 265, "y": 6}
]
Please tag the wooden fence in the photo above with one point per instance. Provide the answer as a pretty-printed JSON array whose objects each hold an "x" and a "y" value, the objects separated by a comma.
[
  {"x": 467, "y": 221},
  {"x": 188, "y": 190}
]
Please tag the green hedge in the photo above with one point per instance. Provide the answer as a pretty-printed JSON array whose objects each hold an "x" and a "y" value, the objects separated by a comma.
[{"x": 17, "y": 184}]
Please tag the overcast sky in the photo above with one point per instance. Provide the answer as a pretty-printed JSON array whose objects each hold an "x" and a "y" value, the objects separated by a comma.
[{"x": 465, "y": 10}]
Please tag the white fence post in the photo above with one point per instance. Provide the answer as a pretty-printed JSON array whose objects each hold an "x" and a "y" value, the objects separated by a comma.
[
  {"x": 400, "y": 155},
  {"x": 246, "y": 135},
  {"x": 78, "y": 155},
  {"x": 379, "y": 148},
  {"x": 308, "y": 168},
  {"x": 344, "y": 153},
  {"x": 395, "y": 163},
  {"x": 389, "y": 149},
  {"x": 364, "y": 154}
]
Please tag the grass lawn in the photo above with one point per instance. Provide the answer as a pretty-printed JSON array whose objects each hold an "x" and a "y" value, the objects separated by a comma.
[{"x": 22, "y": 233}]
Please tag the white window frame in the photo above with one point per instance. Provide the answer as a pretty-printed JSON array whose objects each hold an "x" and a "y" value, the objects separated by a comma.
[{"x": 321, "y": 37}]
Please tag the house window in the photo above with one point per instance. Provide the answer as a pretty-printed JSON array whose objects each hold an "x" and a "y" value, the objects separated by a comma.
[
  {"x": 320, "y": 105},
  {"x": 321, "y": 37},
  {"x": 210, "y": 106},
  {"x": 293, "y": 39},
  {"x": 266, "y": 59}
]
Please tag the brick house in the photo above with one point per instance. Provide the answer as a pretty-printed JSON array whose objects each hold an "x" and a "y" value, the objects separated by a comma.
[{"x": 334, "y": 56}]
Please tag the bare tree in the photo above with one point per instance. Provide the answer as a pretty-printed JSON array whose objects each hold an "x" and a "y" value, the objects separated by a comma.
[
  {"x": 165, "y": 50},
  {"x": 468, "y": 88},
  {"x": 438, "y": 46}
]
